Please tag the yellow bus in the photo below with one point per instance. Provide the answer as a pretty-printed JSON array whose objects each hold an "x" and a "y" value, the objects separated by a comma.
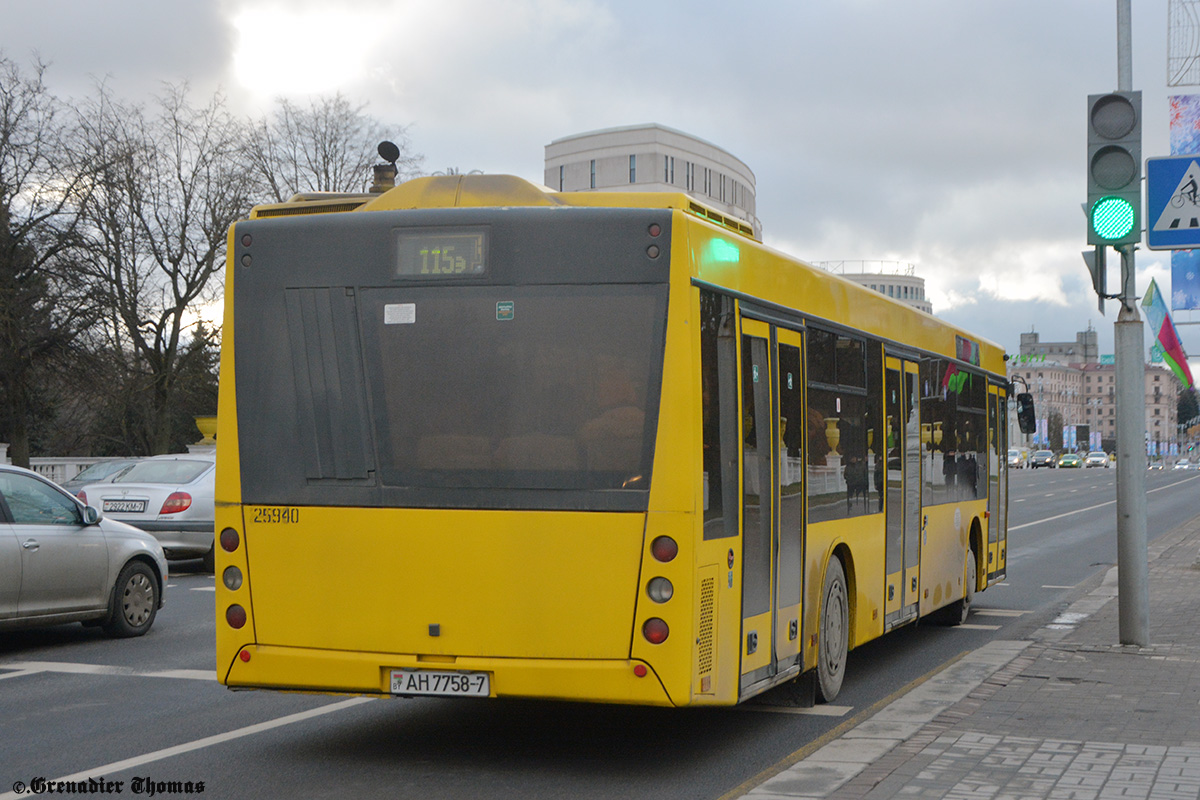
[{"x": 479, "y": 438}]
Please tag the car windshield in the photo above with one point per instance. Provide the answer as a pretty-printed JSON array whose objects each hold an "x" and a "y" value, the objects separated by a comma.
[
  {"x": 1043, "y": 453},
  {"x": 173, "y": 472}
]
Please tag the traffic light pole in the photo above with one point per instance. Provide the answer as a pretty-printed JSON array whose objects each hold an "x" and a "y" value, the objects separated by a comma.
[{"x": 1133, "y": 580}]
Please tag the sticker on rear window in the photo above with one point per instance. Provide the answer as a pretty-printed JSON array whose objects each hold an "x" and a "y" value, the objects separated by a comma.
[{"x": 399, "y": 313}]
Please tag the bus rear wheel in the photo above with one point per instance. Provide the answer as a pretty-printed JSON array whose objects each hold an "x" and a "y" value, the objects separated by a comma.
[
  {"x": 957, "y": 612},
  {"x": 834, "y": 635}
]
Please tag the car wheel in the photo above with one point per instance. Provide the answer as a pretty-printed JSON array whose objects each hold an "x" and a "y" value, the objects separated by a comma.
[
  {"x": 134, "y": 602},
  {"x": 834, "y": 636}
]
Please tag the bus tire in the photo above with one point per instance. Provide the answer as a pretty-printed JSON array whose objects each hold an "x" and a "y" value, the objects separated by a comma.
[
  {"x": 834, "y": 635},
  {"x": 957, "y": 612}
]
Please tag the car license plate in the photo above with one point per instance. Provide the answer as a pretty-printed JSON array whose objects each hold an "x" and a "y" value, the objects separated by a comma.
[
  {"x": 135, "y": 506},
  {"x": 441, "y": 683}
]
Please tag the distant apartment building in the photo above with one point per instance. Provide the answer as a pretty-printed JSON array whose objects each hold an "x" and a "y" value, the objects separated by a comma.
[
  {"x": 893, "y": 278},
  {"x": 1084, "y": 350},
  {"x": 1075, "y": 382},
  {"x": 653, "y": 158}
]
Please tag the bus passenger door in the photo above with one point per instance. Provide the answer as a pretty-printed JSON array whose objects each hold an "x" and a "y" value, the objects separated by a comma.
[
  {"x": 789, "y": 562},
  {"x": 894, "y": 428},
  {"x": 759, "y": 484},
  {"x": 997, "y": 484},
  {"x": 902, "y": 554},
  {"x": 913, "y": 518}
]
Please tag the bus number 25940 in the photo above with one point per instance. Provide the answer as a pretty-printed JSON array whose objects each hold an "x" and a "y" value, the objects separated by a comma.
[{"x": 276, "y": 515}]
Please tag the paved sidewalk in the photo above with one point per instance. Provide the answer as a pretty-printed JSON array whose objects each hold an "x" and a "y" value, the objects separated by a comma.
[{"x": 1067, "y": 713}]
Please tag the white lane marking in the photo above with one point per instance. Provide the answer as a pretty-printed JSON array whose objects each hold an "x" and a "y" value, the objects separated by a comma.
[
  {"x": 968, "y": 626},
  {"x": 1052, "y": 586},
  {"x": 1093, "y": 508},
  {"x": 208, "y": 741},
  {"x": 33, "y": 667},
  {"x": 999, "y": 612},
  {"x": 204, "y": 588}
]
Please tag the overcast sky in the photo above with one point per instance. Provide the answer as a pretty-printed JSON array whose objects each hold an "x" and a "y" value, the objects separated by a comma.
[{"x": 947, "y": 134}]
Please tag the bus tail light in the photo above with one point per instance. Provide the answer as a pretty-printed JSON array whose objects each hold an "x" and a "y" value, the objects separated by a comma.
[
  {"x": 655, "y": 631},
  {"x": 664, "y": 549},
  {"x": 176, "y": 502},
  {"x": 230, "y": 540},
  {"x": 235, "y": 615},
  {"x": 232, "y": 578},
  {"x": 660, "y": 590}
]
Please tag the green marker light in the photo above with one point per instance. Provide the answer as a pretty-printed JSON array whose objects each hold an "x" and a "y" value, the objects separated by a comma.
[{"x": 723, "y": 252}]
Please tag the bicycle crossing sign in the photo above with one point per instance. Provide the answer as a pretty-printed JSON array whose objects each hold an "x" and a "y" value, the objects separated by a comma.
[{"x": 1173, "y": 202}]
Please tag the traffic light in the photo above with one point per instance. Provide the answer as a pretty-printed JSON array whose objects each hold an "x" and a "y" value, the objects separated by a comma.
[
  {"x": 1025, "y": 413},
  {"x": 1114, "y": 181}
]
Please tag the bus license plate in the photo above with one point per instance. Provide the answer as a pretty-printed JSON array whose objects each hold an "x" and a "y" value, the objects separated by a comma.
[{"x": 435, "y": 682}]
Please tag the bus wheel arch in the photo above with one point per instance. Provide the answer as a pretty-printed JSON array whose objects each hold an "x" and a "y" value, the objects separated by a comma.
[
  {"x": 957, "y": 612},
  {"x": 978, "y": 549},
  {"x": 835, "y": 625}
]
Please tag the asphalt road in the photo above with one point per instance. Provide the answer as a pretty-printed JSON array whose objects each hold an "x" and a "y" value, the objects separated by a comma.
[{"x": 75, "y": 704}]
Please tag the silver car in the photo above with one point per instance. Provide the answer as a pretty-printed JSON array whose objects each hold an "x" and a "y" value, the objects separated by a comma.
[
  {"x": 170, "y": 497},
  {"x": 60, "y": 561},
  {"x": 100, "y": 472}
]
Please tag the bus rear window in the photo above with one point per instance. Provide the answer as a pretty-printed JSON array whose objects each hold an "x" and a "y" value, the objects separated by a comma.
[{"x": 515, "y": 387}]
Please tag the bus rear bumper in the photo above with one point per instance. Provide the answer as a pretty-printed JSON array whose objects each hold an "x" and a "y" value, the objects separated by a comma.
[{"x": 334, "y": 672}]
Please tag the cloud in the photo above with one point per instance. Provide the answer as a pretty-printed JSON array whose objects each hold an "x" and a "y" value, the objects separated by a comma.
[{"x": 944, "y": 134}]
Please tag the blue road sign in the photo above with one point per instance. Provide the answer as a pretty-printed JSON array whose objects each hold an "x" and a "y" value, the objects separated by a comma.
[{"x": 1173, "y": 202}]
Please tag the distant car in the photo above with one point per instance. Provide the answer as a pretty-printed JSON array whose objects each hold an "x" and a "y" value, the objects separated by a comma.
[
  {"x": 100, "y": 472},
  {"x": 1096, "y": 458},
  {"x": 61, "y": 561},
  {"x": 1070, "y": 461},
  {"x": 1041, "y": 458},
  {"x": 1183, "y": 463},
  {"x": 1015, "y": 461},
  {"x": 170, "y": 497},
  {"x": 1156, "y": 465}
]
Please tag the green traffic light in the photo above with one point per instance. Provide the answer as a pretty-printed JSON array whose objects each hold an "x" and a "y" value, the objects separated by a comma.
[{"x": 1113, "y": 218}]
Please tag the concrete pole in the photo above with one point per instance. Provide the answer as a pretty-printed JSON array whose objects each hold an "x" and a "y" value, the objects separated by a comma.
[
  {"x": 1133, "y": 580},
  {"x": 1124, "y": 48}
]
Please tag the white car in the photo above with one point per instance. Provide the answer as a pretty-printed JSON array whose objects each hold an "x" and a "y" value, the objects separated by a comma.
[
  {"x": 170, "y": 497},
  {"x": 1183, "y": 463},
  {"x": 1096, "y": 458},
  {"x": 61, "y": 561}
]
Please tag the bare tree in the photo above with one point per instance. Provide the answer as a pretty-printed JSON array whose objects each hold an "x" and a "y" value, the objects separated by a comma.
[
  {"x": 43, "y": 307},
  {"x": 330, "y": 146},
  {"x": 170, "y": 186}
]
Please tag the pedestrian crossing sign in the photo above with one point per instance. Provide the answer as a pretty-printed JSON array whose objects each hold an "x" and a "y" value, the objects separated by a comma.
[{"x": 1173, "y": 202}]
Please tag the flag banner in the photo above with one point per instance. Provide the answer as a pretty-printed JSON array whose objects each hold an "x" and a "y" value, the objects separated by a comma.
[
  {"x": 1163, "y": 331},
  {"x": 1185, "y": 140}
]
